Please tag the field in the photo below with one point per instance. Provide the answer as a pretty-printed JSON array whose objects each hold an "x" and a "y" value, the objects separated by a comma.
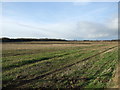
[{"x": 59, "y": 64}]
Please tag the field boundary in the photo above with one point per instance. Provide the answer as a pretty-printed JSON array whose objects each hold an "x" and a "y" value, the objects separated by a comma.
[{"x": 17, "y": 83}]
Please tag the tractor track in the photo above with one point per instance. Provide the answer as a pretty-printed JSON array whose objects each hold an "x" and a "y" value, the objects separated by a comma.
[{"x": 18, "y": 83}]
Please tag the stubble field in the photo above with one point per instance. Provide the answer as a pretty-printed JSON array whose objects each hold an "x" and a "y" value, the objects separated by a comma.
[{"x": 63, "y": 64}]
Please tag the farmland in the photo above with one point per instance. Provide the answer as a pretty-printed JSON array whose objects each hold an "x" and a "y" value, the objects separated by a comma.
[{"x": 59, "y": 64}]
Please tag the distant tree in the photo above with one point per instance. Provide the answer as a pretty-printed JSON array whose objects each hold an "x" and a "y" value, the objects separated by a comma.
[{"x": 30, "y": 39}]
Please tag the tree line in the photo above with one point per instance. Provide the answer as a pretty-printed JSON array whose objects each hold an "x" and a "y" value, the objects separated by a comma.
[
  {"x": 5, "y": 39},
  {"x": 27, "y": 39}
]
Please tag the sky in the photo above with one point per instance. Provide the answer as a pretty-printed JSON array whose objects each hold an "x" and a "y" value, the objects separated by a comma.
[{"x": 63, "y": 20}]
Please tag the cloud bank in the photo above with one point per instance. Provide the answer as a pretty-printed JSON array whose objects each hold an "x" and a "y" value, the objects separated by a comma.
[{"x": 79, "y": 30}]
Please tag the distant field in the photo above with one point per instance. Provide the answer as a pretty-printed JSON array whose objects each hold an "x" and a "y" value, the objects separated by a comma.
[{"x": 59, "y": 64}]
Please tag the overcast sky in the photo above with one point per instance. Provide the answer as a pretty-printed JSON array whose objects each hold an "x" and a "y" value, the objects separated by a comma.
[{"x": 65, "y": 20}]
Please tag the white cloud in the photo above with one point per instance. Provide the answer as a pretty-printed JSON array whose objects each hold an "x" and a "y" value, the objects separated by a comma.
[
  {"x": 113, "y": 24},
  {"x": 65, "y": 30}
]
